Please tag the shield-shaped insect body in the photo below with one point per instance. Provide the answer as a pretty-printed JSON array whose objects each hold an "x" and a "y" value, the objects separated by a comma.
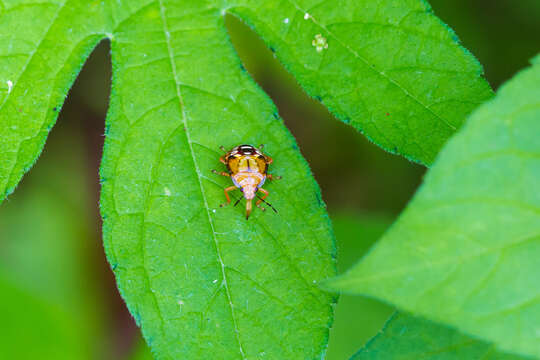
[{"x": 248, "y": 169}]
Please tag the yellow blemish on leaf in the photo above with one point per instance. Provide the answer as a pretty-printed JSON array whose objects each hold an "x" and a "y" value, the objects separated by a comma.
[{"x": 320, "y": 43}]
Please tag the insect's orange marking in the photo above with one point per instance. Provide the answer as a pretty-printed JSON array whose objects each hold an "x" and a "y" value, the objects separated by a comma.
[
  {"x": 226, "y": 190},
  {"x": 248, "y": 168}
]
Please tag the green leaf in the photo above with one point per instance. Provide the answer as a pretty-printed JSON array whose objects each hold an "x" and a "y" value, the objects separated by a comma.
[
  {"x": 406, "y": 337},
  {"x": 396, "y": 73},
  {"x": 466, "y": 251},
  {"x": 43, "y": 46},
  {"x": 391, "y": 70},
  {"x": 199, "y": 279},
  {"x": 356, "y": 318}
]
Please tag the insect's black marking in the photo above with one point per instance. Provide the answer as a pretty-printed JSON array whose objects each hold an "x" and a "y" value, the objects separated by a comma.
[
  {"x": 246, "y": 149},
  {"x": 237, "y": 201},
  {"x": 267, "y": 203}
]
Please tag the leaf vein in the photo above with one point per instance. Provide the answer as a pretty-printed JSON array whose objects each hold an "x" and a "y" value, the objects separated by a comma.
[{"x": 197, "y": 170}]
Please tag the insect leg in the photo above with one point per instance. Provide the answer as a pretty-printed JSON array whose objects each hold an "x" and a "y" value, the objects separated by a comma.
[
  {"x": 226, "y": 190},
  {"x": 266, "y": 202},
  {"x": 222, "y": 173},
  {"x": 258, "y": 203},
  {"x": 248, "y": 208},
  {"x": 223, "y": 149},
  {"x": 273, "y": 177}
]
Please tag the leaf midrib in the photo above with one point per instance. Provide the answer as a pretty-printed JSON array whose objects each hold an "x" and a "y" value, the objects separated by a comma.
[{"x": 197, "y": 170}]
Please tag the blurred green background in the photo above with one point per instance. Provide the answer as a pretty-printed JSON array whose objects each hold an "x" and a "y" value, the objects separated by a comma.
[{"x": 58, "y": 298}]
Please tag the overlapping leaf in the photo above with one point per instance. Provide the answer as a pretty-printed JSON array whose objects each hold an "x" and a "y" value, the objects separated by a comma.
[
  {"x": 466, "y": 251},
  {"x": 199, "y": 279},
  {"x": 406, "y": 338}
]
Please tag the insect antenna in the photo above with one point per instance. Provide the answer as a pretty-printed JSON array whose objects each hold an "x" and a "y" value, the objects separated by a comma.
[
  {"x": 237, "y": 201},
  {"x": 267, "y": 203}
]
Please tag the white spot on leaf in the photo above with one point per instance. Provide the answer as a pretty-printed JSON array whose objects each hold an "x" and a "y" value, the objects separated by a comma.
[
  {"x": 167, "y": 191},
  {"x": 286, "y": 21},
  {"x": 215, "y": 281},
  {"x": 10, "y": 86},
  {"x": 320, "y": 43},
  {"x": 306, "y": 16}
]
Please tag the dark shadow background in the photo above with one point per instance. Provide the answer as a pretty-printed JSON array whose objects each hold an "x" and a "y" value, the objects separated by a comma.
[{"x": 50, "y": 230}]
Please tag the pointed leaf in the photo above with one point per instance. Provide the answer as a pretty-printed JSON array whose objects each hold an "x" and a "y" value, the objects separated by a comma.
[
  {"x": 391, "y": 69},
  {"x": 200, "y": 279},
  {"x": 43, "y": 46},
  {"x": 466, "y": 251}
]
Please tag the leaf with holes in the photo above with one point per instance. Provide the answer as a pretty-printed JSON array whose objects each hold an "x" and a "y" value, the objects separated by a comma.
[
  {"x": 407, "y": 337},
  {"x": 199, "y": 279},
  {"x": 466, "y": 252}
]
